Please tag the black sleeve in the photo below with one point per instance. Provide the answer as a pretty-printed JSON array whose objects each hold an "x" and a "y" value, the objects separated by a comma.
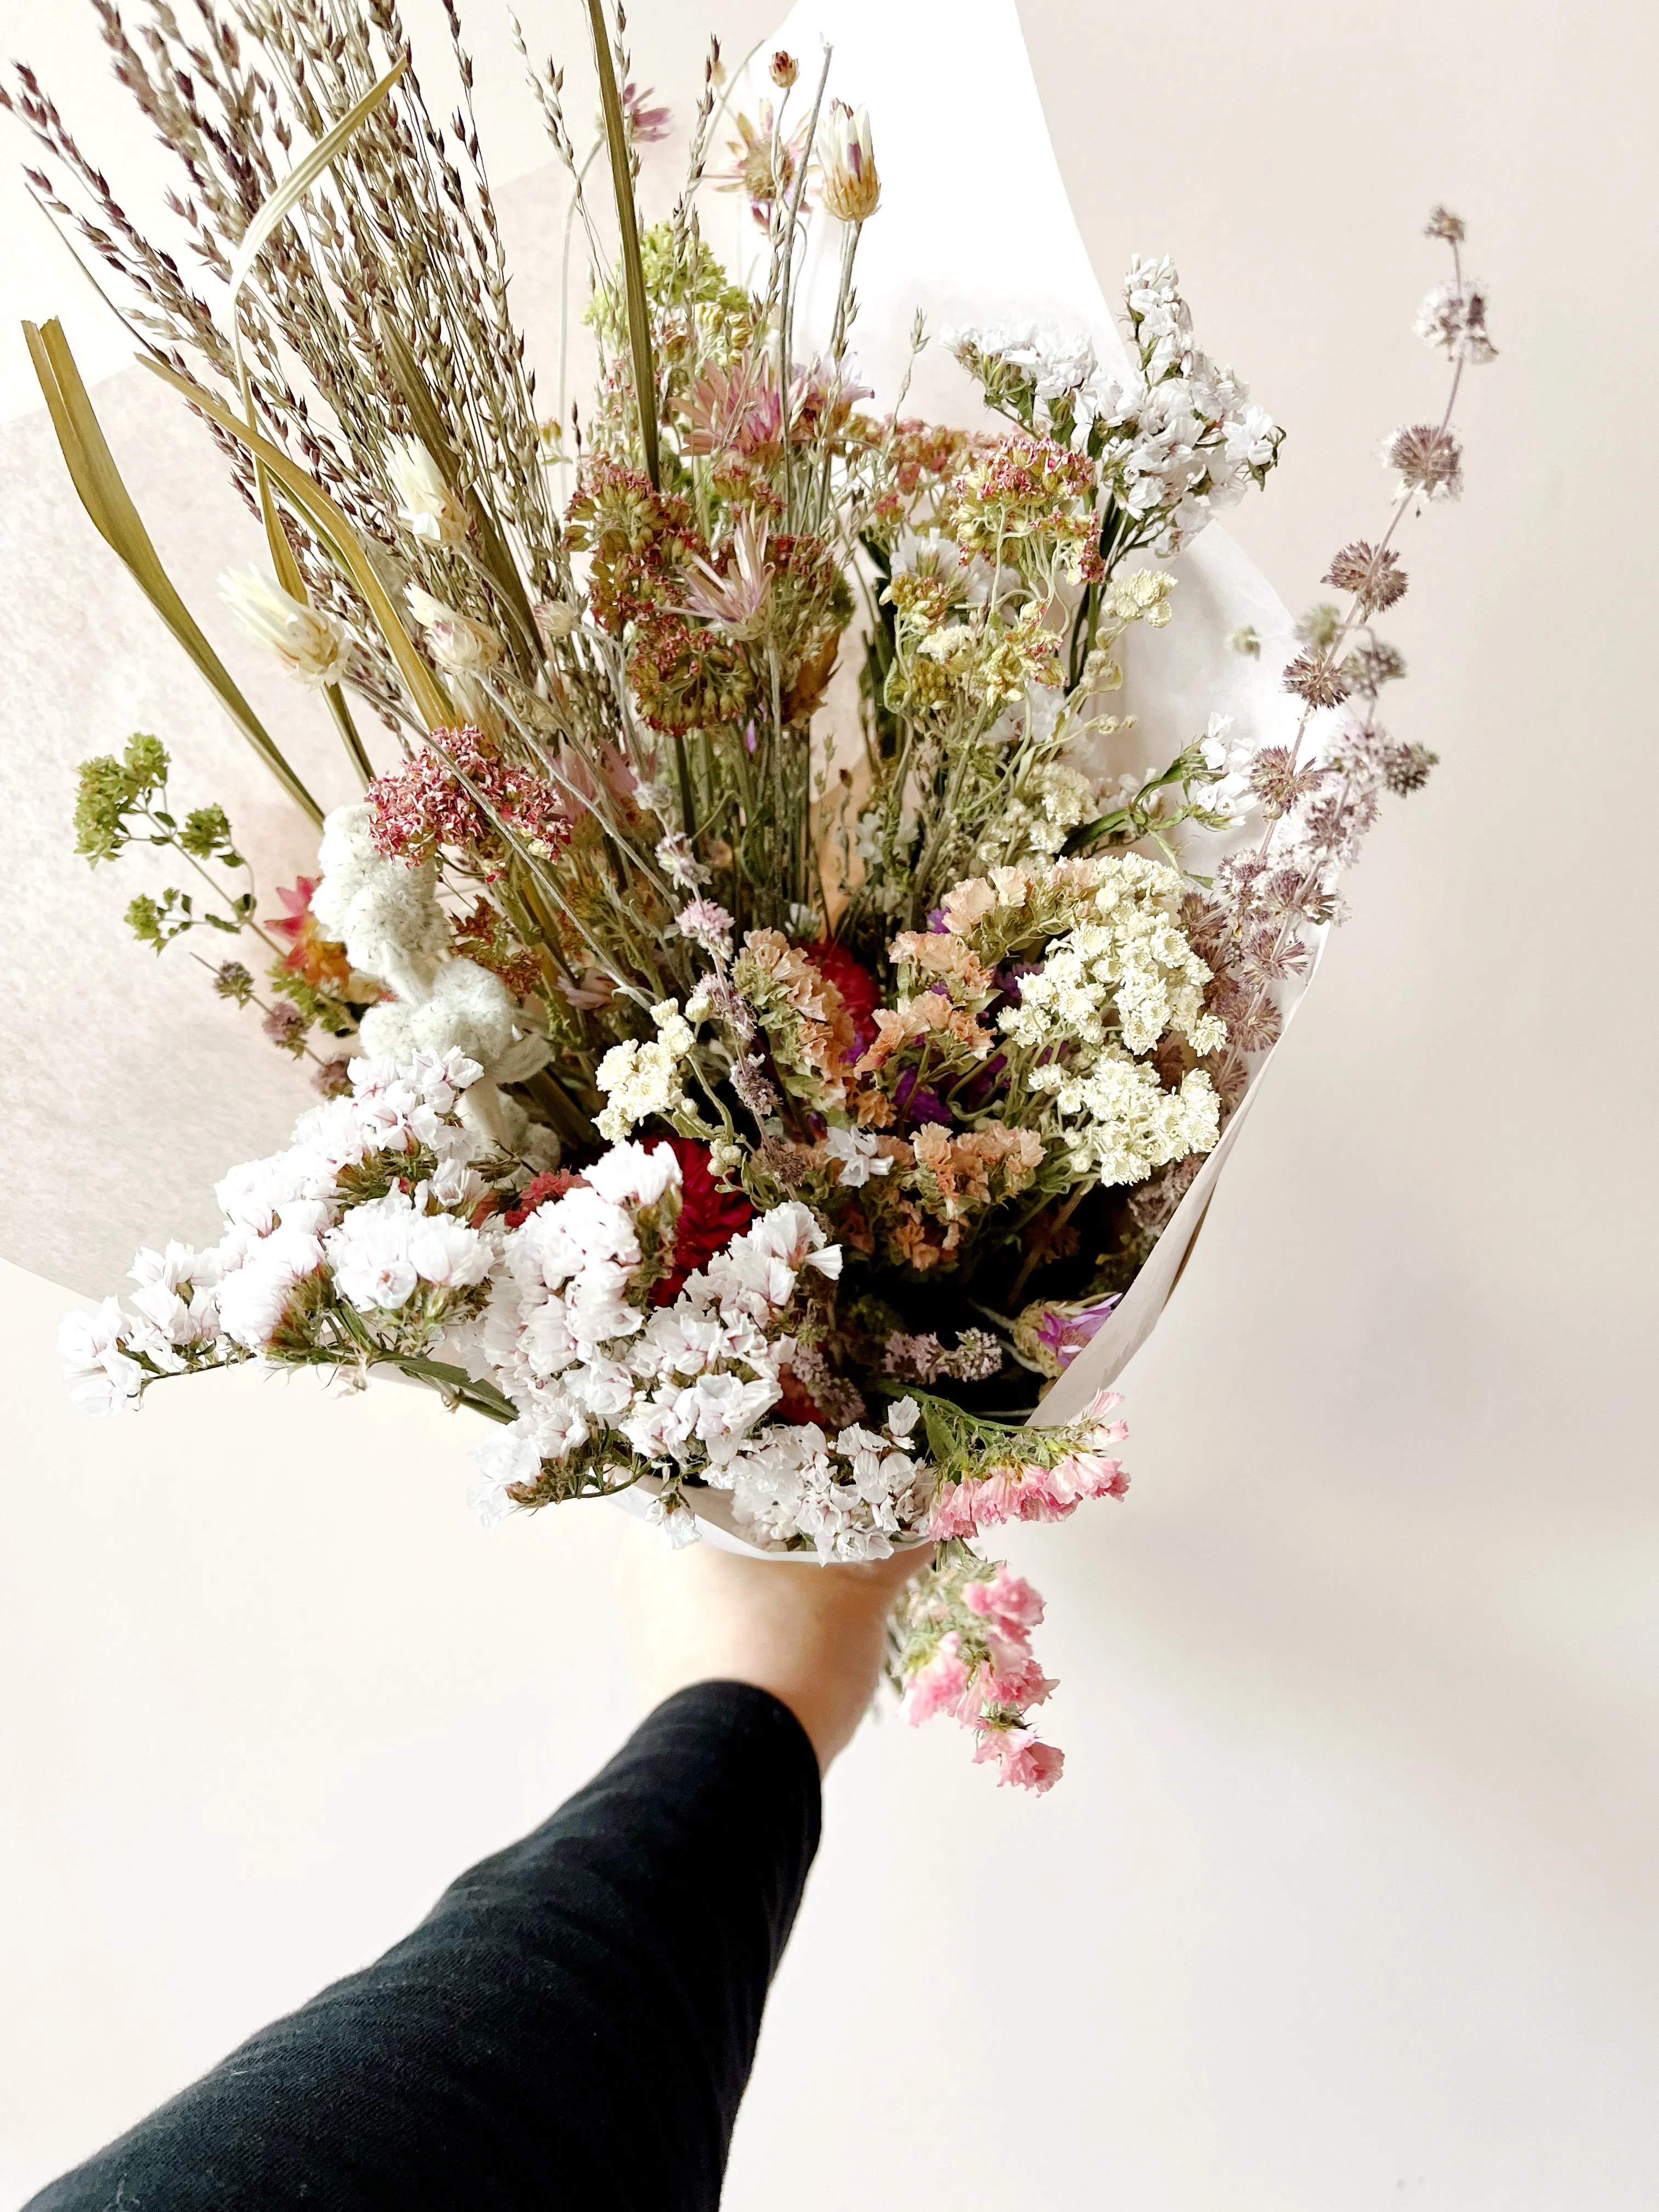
[{"x": 572, "y": 2024}]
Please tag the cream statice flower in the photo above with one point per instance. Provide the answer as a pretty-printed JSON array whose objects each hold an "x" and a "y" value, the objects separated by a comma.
[
  {"x": 426, "y": 506},
  {"x": 639, "y": 1080},
  {"x": 311, "y": 646}
]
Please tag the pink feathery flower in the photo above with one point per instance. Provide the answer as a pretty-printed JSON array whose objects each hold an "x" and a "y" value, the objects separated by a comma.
[{"x": 647, "y": 124}]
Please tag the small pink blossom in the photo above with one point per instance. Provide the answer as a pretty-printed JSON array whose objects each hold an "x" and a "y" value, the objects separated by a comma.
[
  {"x": 1024, "y": 1761},
  {"x": 938, "y": 1687},
  {"x": 1005, "y": 1599}
]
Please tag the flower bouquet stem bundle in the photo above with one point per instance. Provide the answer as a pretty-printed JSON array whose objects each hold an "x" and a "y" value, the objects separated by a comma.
[{"x": 768, "y": 1001}]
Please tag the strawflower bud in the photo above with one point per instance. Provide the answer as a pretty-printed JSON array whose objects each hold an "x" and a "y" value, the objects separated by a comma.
[
  {"x": 429, "y": 510},
  {"x": 310, "y": 646},
  {"x": 852, "y": 187},
  {"x": 785, "y": 69}
]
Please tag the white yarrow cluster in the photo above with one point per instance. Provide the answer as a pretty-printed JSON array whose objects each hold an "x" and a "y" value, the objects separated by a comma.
[
  {"x": 639, "y": 1080},
  {"x": 1124, "y": 968}
]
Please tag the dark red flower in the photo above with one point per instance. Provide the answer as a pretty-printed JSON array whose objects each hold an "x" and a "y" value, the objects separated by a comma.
[
  {"x": 857, "y": 986},
  {"x": 709, "y": 1217}
]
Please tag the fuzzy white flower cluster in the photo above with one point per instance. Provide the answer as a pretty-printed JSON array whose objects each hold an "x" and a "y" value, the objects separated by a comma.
[
  {"x": 288, "y": 1219},
  {"x": 387, "y": 916}
]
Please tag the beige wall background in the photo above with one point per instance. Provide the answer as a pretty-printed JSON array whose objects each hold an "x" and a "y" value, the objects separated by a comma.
[{"x": 1347, "y": 1899}]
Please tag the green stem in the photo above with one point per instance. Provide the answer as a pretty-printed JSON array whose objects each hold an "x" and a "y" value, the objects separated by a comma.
[{"x": 639, "y": 321}]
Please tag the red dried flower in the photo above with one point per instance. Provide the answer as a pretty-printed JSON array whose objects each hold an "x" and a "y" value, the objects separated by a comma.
[
  {"x": 427, "y": 805},
  {"x": 860, "y": 992},
  {"x": 709, "y": 1217}
]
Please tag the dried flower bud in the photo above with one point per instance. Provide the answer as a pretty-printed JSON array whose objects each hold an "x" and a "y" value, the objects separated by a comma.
[
  {"x": 557, "y": 618},
  {"x": 1316, "y": 678},
  {"x": 785, "y": 69},
  {"x": 429, "y": 508},
  {"x": 232, "y": 981},
  {"x": 458, "y": 644},
  {"x": 1247, "y": 641},
  {"x": 332, "y": 1080},
  {"x": 1319, "y": 626},
  {"x": 285, "y": 1025},
  {"x": 310, "y": 646},
  {"x": 852, "y": 187},
  {"x": 1374, "y": 578},
  {"x": 1429, "y": 461},
  {"x": 1442, "y": 223}
]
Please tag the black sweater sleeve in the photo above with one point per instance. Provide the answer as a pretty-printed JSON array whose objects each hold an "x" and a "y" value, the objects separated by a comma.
[{"x": 572, "y": 2024}]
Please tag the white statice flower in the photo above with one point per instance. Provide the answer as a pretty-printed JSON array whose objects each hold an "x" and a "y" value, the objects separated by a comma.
[
  {"x": 850, "y": 1496},
  {"x": 639, "y": 1080},
  {"x": 584, "y": 1357},
  {"x": 176, "y": 1301},
  {"x": 467, "y": 1009},
  {"x": 101, "y": 1377},
  {"x": 675, "y": 1521},
  {"x": 426, "y": 506},
  {"x": 369, "y": 1254},
  {"x": 383, "y": 1251},
  {"x": 311, "y": 646},
  {"x": 1229, "y": 762},
  {"x": 458, "y": 644},
  {"x": 255, "y": 1297},
  {"x": 858, "y": 1153},
  {"x": 386, "y": 914},
  {"x": 509, "y": 1454}
]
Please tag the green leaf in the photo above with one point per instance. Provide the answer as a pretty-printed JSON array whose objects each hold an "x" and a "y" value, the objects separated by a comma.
[{"x": 107, "y": 502}]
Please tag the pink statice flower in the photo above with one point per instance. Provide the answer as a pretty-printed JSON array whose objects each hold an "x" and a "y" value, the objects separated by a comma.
[{"x": 1023, "y": 1759}]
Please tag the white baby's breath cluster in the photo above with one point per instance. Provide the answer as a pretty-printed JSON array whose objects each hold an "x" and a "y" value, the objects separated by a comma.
[{"x": 1178, "y": 438}]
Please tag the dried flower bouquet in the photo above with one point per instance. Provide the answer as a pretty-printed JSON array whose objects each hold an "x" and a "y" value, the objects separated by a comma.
[{"x": 738, "y": 1095}]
